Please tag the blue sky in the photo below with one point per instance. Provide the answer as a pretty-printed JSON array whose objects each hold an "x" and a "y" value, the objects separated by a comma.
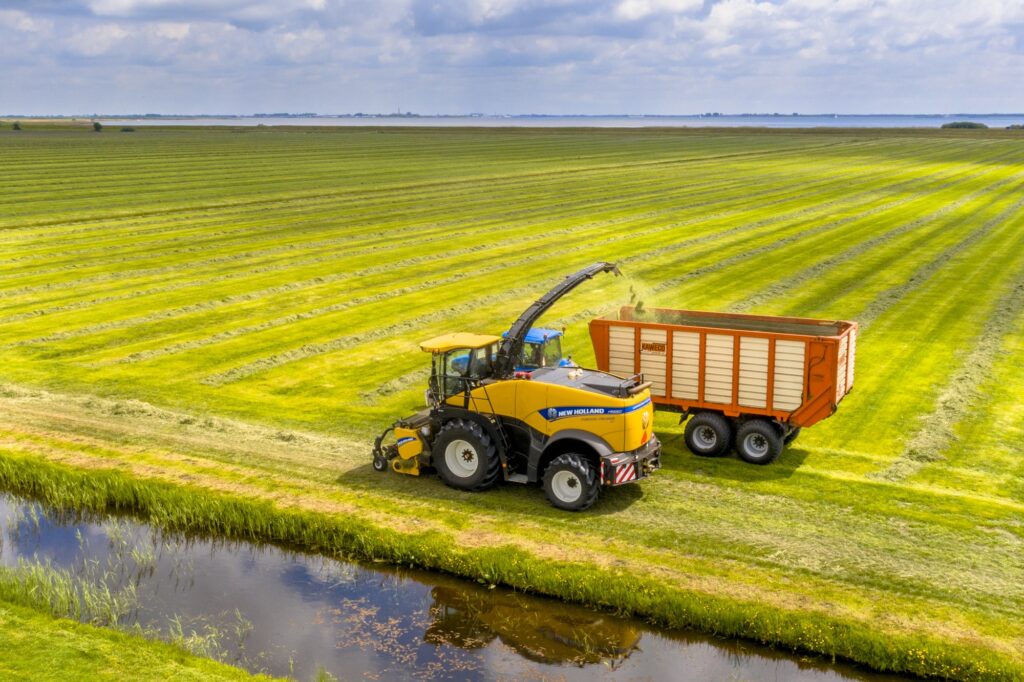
[{"x": 511, "y": 56}]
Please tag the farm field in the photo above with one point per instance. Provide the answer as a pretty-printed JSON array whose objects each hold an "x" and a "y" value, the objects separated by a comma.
[{"x": 234, "y": 313}]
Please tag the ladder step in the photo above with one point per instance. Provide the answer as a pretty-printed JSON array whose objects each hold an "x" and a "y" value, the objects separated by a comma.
[{"x": 517, "y": 478}]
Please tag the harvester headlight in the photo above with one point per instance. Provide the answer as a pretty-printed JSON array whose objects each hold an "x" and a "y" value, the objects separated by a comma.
[{"x": 645, "y": 419}]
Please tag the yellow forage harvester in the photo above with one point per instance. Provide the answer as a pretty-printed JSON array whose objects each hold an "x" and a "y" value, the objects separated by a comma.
[{"x": 573, "y": 430}]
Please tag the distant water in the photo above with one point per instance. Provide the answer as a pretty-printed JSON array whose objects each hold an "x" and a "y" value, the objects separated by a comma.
[{"x": 826, "y": 121}]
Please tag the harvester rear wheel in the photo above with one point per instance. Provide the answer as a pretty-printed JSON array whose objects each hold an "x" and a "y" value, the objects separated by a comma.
[
  {"x": 465, "y": 456},
  {"x": 708, "y": 434},
  {"x": 758, "y": 441},
  {"x": 570, "y": 483},
  {"x": 791, "y": 436}
]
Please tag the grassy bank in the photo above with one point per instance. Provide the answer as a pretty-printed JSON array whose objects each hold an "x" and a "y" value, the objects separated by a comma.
[
  {"x": 233, "y": 314},
  {"x": 38, "y": 646}
]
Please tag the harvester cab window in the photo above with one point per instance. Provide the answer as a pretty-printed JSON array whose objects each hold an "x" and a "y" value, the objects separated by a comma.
[
  {"x": 546, "y": 354},
  {"x": 456, "y": 369},
  {"x": 533, "y": 355},
  {"x": 553, "y": 352},
  {"x": 481, "y": 362}
]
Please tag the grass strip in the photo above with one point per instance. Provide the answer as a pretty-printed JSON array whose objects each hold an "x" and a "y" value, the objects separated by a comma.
[
  {"x": 40, "y": 647},
  {"x": 184, "y": 509}
]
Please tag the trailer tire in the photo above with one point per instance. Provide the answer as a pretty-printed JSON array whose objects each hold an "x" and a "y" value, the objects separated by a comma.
[
  {"x": 758, "y": 442},
  {"x": 570, "y": 482},
  {"x": 465, "y": 457},
  {"x": 791, "y": 436},
  {"x": 708, "y": 434}
]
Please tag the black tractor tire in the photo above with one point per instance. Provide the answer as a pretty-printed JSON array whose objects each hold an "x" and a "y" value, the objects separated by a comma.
[
  {"x": 708, "y": 434},
  {"x": 758, "y": 441},
  {"x": 570, "y": 482},
  {"x": 791, "y": 436},
  {"x": 465, "y": 457}
]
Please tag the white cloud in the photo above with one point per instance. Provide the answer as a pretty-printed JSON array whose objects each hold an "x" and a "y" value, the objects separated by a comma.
[
  {"x": 653, "y": 56},
  {"x": 639, "y": 9},
  {"x": 96, "y": 40},
  {"x": 24, "y": 23},
  {"x": 172, "y": 30}
]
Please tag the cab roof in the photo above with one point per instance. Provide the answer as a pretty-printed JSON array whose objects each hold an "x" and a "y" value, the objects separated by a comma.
[
  {"x": 539, "y": 334},
  {"x": 447, "y": 342}
]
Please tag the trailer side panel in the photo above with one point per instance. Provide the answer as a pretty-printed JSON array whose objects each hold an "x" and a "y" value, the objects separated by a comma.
[{"x": 794, "y": 370}]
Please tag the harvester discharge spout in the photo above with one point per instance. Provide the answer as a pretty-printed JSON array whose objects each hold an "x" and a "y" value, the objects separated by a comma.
[{"x": 512, "y": 345}]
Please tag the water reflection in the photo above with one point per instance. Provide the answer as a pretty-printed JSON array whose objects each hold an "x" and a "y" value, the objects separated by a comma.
[
  {"x": 556, "y": 634},
  {"x": 289, "y": 613}
]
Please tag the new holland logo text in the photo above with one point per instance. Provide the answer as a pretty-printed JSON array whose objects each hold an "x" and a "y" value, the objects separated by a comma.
[
  {"x": 562, "y": 412},
  {"x": 553, "y": 413}
]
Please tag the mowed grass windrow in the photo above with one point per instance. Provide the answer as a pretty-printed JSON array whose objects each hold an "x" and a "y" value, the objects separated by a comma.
[{"x": 208, "y": 326}]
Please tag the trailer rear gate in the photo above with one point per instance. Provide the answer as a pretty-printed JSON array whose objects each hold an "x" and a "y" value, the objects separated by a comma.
[{"x": 795, "y": 370}]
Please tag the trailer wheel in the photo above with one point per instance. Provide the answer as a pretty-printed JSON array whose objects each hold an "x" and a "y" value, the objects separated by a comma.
[
  {"x": 758, "y": 442},
  {"x": 791, "y": 436},
  {"x": 570, "y": 483},
  {"x": 708, "y": 434},
  {"x": 465, "y": 457}
]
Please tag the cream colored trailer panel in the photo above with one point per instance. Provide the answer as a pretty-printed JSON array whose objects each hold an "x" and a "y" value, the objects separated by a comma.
[
  {"x": 841, "y": 370},
  {"x": 653, "y": 353},
  {"x": 788, "y": 390},
  {"x": 718, "y": 364},
  {"x": 753, "y": 388},
  {"x": 852, "y": 360},
  {"x": 621, "y": 350},
  {"x": 685, "y": 365}
]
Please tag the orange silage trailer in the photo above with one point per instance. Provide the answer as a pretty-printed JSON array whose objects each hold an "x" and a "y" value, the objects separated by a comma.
[{"x": 746, "y": 380}]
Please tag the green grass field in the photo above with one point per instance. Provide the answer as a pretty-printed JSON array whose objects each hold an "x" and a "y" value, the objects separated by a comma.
[
  {"x": 38, "y": 646},
  {"x": 236, "y": 311}
]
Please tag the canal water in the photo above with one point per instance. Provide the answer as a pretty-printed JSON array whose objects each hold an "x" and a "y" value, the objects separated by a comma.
[{"x": 293, "y": 614}]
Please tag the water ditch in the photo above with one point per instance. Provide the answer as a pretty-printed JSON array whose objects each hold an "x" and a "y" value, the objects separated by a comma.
[{"x": 288, "y": 613}]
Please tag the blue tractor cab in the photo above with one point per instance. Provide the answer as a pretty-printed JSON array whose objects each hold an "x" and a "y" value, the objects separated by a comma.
[{"x": 541, "y": 348}]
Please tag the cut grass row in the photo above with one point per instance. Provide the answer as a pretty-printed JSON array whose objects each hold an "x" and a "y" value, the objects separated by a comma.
[
  {"x": 543, "y": 202},
  {"x": 329, "y": 293},
  {"x": 380, "y": 171}
]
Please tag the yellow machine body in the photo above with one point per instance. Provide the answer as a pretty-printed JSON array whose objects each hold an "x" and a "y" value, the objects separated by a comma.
[
  {"x": 626, "y": 424},
  {"x": 410, "y": 445}
]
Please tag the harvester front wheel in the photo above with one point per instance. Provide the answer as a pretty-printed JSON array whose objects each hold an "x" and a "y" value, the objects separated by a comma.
[
  {"x": 758, "y": 442},
  {"x": 708, "y": 434},
  {"x": 570, "y": 483},
  {"x": 465, "y": 456}
]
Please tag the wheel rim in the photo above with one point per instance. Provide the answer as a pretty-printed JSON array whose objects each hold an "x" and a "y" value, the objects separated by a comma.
[
  {"x": 705, "y": 437},
  {"x": 756, "y": 445},
  {"x": 566, "y": 486},
  {"x": 461, "y": 458}
]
